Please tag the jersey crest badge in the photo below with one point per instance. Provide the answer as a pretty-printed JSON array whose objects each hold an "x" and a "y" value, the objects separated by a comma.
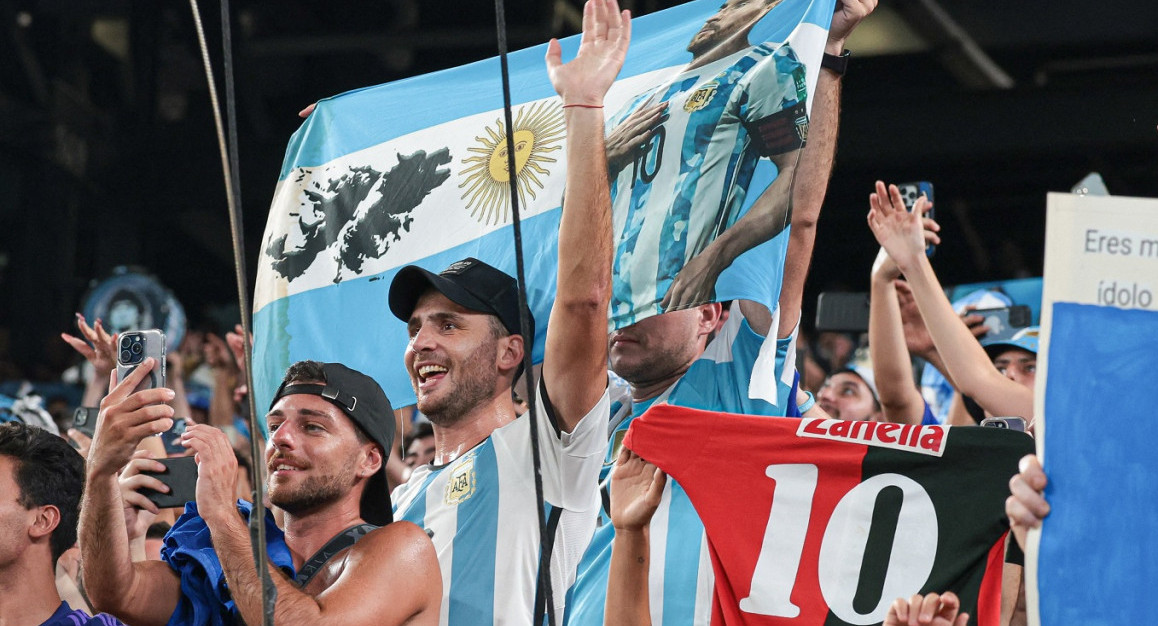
[
  {"x": 701, "y": 97},
  {"x": 460, "y": 487},
  {"x": 802, "y": 128}
]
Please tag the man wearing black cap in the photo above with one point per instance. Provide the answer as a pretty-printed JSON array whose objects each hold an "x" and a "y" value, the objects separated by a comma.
[
  {"x": 478, "y": 497},
  {"x": 337, "y": 556}
]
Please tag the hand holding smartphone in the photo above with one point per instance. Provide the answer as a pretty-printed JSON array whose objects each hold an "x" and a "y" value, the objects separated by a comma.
[
  {"x": 180, "y": 476},
  {"x": 910, "y": 192},
  {"x": 133, "y": 348},
  {"x": 1008, "y": 423}
]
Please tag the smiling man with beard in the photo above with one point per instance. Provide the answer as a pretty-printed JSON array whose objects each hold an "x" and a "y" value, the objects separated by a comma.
[
  {"x": 340, "y": 558},
  {"x": 478, "y": 497}
]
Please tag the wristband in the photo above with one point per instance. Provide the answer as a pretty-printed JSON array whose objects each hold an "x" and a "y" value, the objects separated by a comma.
[
  {"x": 837, "y": 64},
  {"x": 583, "y": 106},
  {"x": 808, "y": 404}
]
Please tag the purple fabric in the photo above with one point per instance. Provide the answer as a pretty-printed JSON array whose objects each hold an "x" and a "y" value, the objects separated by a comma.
[{"x": 65, "y": 616}]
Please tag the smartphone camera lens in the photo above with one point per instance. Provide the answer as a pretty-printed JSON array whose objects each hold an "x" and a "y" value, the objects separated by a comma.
[
  {"x": 137, "y": 348},
  {"x": 125, "y": 343},
  {"x": 126, "y": 356}
]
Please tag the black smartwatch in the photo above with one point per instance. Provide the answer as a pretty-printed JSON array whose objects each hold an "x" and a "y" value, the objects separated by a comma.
[{"x": 837, "y": 64}]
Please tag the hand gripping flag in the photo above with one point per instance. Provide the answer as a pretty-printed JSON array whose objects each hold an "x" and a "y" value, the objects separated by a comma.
[{"x": 709, "y": 109}]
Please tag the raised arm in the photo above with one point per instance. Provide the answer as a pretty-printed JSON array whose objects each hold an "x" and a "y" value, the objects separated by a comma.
[
  {"x": 138, "y": 593},
  {"x": 575, "y": 361},
  {"x": 101, "y": 354},
  {"x": 638, "y": 488},
  {"x": 901, "y": 402},
  {"x": 899, "y": 232},
  {"x": 695, "y": 284},
  {"x": 812, "y": 173}
]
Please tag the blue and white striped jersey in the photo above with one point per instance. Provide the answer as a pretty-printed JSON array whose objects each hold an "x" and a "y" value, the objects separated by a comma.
[
  {"x": 691, "y": 182},
  {"x": 680, "y": 578},
  {"x": 481, "y": 509}
]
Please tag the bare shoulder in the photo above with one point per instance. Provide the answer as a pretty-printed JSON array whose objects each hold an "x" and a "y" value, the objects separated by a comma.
[
  {"x": 399, "y": 557},
  {"x": 398, "y": 540}
]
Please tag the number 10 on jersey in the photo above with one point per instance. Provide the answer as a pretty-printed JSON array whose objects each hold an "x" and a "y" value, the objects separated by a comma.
[{"x": 879, "y": 544}]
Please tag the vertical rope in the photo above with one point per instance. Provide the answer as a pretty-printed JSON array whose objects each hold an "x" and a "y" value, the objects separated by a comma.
[
  {"x": 545, "y": 542},
  {"x": 229, "y": 166}
]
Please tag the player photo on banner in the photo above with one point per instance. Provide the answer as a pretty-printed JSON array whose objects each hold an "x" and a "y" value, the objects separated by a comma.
[{"x": 704, "y": 128}]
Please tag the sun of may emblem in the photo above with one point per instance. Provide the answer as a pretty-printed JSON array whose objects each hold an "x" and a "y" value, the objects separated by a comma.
[{"x": 538, "y": 131}]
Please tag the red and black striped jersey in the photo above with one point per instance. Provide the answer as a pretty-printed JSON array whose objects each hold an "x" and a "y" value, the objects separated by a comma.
[{"x": 827, "y": 522}]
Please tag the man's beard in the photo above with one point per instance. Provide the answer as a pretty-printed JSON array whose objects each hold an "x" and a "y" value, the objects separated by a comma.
[
  {"x": 475, "y": 381},
  {"x": 314, "y": 492}
]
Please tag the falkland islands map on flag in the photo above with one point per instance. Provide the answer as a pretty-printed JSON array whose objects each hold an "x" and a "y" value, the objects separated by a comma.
[{"x": 415, "y": 172}]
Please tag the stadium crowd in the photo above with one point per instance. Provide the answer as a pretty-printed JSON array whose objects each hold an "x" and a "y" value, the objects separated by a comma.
[{"x": 426, "y": 514}]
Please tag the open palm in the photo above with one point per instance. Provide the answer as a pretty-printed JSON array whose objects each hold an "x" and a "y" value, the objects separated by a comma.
[{"x": 636, "y": 489}]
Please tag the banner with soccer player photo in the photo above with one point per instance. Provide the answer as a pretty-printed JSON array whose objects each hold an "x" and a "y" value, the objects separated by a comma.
[{"x": 704, "y": 129}]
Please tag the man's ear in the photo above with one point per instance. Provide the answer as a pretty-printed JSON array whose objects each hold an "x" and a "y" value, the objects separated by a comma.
[
  {"x": 46, "y": 520},
  {"x": 510, "y": 352},
  {"x": 372, "y": 462},
  {"x": 711, "y": 317}
]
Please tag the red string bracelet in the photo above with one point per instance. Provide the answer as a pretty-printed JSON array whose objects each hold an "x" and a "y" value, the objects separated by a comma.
[{"x": 583, "y": 106}]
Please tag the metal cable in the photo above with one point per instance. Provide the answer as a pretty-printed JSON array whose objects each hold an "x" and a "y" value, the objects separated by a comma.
[
  {"x": 546, "y": 543},
  {"x": 229, "y": 166}
]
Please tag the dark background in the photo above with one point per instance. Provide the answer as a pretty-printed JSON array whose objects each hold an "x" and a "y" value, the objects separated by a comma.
[{"x": 108, "y": 154}]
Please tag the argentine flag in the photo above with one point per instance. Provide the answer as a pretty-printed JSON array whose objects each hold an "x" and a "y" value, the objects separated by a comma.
[{"x": 415, "y": 172}]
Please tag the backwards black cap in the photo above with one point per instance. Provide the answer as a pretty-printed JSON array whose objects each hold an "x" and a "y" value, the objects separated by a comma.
[
  {"x": 362, "y": 399},
  {"x": 469, "y": 283}
]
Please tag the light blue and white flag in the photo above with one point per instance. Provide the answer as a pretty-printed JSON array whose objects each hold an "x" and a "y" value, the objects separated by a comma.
[{"x": 414, "y": 172}]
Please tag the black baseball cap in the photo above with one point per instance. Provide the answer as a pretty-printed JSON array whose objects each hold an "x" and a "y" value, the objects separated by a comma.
[
  {"x": 469, "y": 283},
  {"x": 362, "y": 399}
]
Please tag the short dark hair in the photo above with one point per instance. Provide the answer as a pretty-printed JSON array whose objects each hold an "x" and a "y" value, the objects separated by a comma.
[
  {"x": 312, "y": 371},
  {"x": 49, "y": 473},
  {"x": 420, "y": 430},
  {"x": 157, "y": 530}
]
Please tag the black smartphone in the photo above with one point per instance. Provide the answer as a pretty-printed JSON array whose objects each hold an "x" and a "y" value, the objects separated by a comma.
[
  {"x": 1003, "y": 323},
  {"x": 133, "y": 348},
  {"x": 180, "y": 476},
  {"x": 84, "y": 420},
  {"x": 842, "y": 311},
  {"x": 909, "y": 194},
  {"x": 1009, "y": 423},
  {"x": 171, "y": 438}
]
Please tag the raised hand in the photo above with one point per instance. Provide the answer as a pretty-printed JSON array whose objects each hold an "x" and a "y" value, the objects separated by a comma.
[
  {"x": 1026, "y": 505},
  {"x": 218, "y": 355},
  {"x": 900, "y": 233},
  {"x": 884, "y": 267},
  {"x": 636, "y": 489},
  {"x": 126, "y": 417},
  {"x": 931, "y": 609},
  {"x": 632, "y": 135},
  {"x": 584, "y": 80},
  {"x": 848, "y": 14},
  {"x": 102, "y": 352},
  {"x": 236, "y": 343}
]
